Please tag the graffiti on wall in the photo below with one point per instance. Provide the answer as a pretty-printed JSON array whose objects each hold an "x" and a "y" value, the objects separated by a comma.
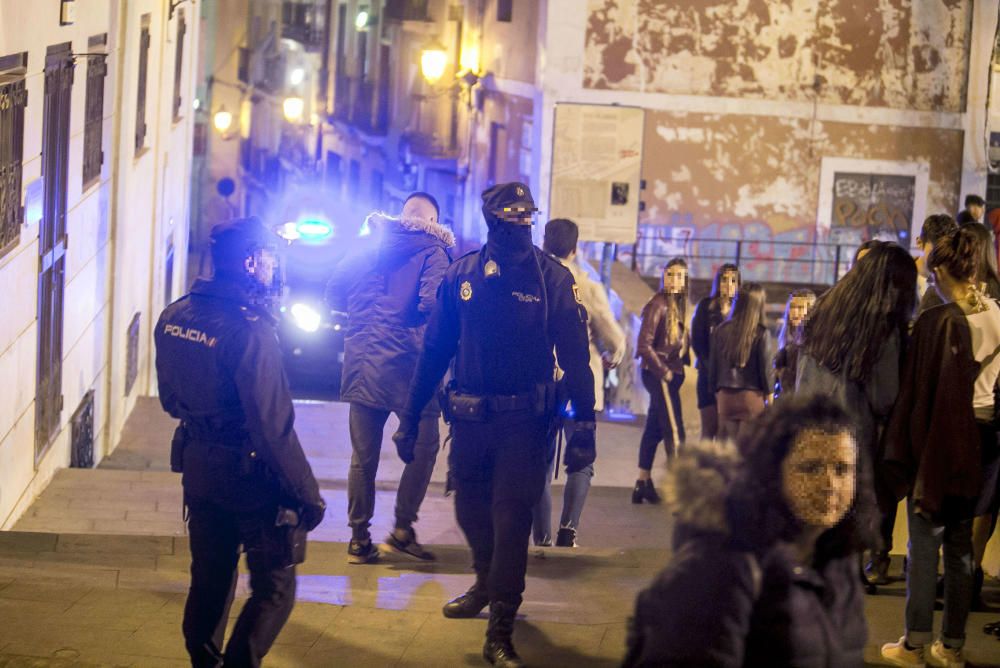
[{"x": 873, "y": 206}]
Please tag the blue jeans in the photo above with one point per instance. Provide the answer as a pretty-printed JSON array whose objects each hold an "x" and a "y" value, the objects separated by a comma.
[
  {"x": 926, "y": 538},
  {"x": 574, "y": 498}
]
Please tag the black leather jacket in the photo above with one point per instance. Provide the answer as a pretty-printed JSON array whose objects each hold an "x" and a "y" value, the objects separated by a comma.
[{"x": 757, "y": 374}]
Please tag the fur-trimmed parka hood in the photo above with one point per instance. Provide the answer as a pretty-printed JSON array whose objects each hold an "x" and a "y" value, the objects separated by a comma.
[
  {"x": 699, "y": 483},
  {"x": 383, "y": 224}
]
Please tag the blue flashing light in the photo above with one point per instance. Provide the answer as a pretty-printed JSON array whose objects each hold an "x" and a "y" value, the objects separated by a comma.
[{"x": 314, "y": 230}]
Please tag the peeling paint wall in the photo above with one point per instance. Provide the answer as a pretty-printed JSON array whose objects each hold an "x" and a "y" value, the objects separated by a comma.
[
  {"x": 881, "y": 53},
  {"x": 757, "y": 178}
]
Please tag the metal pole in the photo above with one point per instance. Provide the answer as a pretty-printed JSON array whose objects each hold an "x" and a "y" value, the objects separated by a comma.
[
  {"x": 739, "y": 251},
  {"x": 836, "y": 265}
]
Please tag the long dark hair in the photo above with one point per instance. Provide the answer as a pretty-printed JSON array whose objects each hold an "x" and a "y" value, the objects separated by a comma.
[
  {"x": 737, "y": 334},
  {"x": 679, "y": 301},
  {"x": 795, "y": 335},
  {"x": 723, "y": 268},
  {"x": 986, "y": 259},
  {"x": 757, "y": 507},
  {"x": 850, "y": 323}
]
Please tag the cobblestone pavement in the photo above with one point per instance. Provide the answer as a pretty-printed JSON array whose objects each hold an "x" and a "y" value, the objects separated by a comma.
[{"x": 95, "y": 572}]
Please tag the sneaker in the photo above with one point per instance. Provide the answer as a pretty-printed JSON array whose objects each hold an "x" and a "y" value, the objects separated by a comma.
[
  {"x": 897, "y": 654},
  {"x": 409, "y": 546},
  {"x": 362, "y": 551},
  {"x": 877, "y": 569},
  {"x": 941, "y": 655},
  {"x": 566, "y": 537}
]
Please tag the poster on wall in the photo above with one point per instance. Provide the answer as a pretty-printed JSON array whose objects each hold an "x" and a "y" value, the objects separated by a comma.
[{"x": 597, "y": 170}]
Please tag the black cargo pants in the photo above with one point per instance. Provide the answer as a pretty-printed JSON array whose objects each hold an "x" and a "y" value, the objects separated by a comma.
[
  {"x": 215, "y": 537},
  {"x": 499, "y": 469}
]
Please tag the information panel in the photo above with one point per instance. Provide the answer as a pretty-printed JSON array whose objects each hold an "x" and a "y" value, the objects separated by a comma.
[{"x": 597, "y": 170}]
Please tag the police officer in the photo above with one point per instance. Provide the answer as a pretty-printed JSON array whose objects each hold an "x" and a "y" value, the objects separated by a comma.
[
  {"x": 499, "y": 313},
  {"x": 246, "y": 480}
]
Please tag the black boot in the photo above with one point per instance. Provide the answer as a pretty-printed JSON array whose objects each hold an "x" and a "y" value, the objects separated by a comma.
[
  {"x": 640, "y": 485},
  {"x": 649, "y": 493},
  {"x": 877, "y": 570},
  {"x": 499, "y": 649},
  {"x": 469, "y": 604}
]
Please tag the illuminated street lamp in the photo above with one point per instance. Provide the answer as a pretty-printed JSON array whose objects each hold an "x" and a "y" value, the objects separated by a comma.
[
  {"x": 222, "y": 120},
  {"x": 294, "y": 108},
  {"x": 433, "y": 61}
]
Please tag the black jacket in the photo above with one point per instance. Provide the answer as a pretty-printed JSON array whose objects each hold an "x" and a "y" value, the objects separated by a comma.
[
  {"x": 219, "y": 371},
  {"x": 757, "y": 374},
  {"x": 495, "y": 329},
  {"x": 388, "y": 294},
  {"x": 707, "y": 316},
  {"x": 719, "y": 605}
]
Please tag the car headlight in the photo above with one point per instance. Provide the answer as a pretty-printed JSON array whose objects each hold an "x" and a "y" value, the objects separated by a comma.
[{"x": 306, "y": 317}]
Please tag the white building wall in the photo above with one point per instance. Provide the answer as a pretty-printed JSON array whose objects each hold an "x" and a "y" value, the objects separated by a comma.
[{"x": 118, "y": 229}]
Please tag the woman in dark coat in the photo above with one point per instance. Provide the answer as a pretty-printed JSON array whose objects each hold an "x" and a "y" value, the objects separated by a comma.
[
  {"x": 664, "y": 346},
  {"x": 937, "y": 449},
  {"x": 786, "y": 361},
  {"x": 764, "y": 570},
  {"x": 739, "y": 369},
  {"x": 709, "y": 314},
  {"x": 852, "y": 353}
]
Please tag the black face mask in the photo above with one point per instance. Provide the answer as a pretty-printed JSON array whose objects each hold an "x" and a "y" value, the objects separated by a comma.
[{"x": 507, "y": 241}]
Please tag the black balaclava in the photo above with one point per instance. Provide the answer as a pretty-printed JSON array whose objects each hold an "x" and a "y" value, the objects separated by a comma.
[{"x": 507, "y": 241}]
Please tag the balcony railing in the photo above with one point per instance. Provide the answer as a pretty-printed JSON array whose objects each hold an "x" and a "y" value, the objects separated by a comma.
[{"x": 304, "y": 22}]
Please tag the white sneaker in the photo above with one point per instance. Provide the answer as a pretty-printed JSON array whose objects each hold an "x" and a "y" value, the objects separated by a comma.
[
  {"x": 897, "y": 654},
  {"x": 946, "y": 656}
]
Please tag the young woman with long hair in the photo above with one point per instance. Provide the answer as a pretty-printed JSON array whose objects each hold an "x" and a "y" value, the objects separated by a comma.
[
  {"x": 786, "y": 362},
  {"x": 941, "y": 450},
  {"x": 709, "y": 314},
  {"x": 740, "y": 363},
  {"x": 852, "y": 352},
  {"x": 664, "y": 347}
]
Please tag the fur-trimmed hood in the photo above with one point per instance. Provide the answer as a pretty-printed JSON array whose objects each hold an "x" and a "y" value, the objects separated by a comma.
[
  {"x": 382, "y": 223},
  {"x": 698, "y": 485}
]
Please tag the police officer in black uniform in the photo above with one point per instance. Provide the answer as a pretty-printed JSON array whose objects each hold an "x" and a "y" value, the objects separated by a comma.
[
  {"x": 499, "y": 313},
  {"x": 246, "y": 480}
]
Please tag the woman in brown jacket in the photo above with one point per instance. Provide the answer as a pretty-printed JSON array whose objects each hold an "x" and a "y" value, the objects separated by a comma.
[{"x": 664, "y": 347}]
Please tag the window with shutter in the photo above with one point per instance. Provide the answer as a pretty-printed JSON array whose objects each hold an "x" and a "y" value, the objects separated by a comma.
[
  {"x": 93, "y": 129},
  {"x": 178, "y": 64},
  {"x": 13, "y": 100},
  {"x": 140, "y": 103}
]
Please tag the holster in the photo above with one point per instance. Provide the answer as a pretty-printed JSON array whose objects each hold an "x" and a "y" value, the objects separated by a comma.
[
  {"x": 292, "y": 549},
  {"x": 177, "y": 445}
]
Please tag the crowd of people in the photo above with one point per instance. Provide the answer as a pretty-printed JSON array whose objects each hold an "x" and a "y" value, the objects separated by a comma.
[
  {"x": 784, "y": 511},
  {"x": 875, "y": 394}
]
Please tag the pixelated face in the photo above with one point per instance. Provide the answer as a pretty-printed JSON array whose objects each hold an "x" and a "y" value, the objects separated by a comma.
[
  {"x": 819, "y": 476},
  {"x": 976, "y": 210},
  {"x": 925, "y": 250},
  {"x": 798, "y": 310},
  {"x": 674, "y": 279},
  {"x": 262, "y": 265},
  {"x": 516, "y": 215},
  {"x": 419, "y": 209},
  {"x": 729, "y": 283}
]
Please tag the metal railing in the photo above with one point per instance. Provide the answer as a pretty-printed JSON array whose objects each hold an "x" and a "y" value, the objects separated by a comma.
[{"x": 804, "y": 262}]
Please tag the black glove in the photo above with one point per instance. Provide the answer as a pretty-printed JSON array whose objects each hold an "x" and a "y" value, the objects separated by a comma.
[
  {"x": 311, "y": 515},
  {"x": 581, "y": 451},
  {"x": 405, "y": 437}
]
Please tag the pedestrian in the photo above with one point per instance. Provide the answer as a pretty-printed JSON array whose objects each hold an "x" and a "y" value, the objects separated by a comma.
[
  {"x": 935, "y": 227},
  {"x": 246, "y": 480},
  {"x": 786, "y": 362},
  {"x": 852, "y": 353},
  {"x": 388, "y": 293},
  {"x": 607, "y": 349},
  {"x": 740, "y": 369},
  {"x": 500, "y": 312},
  {"x": 936, "y": 449},
  {"x": 975, "y": 207},
  {"x": 764, "y": 565},
  {"x": 709, "y": 314},
  {"x": 664, "y": 346}
]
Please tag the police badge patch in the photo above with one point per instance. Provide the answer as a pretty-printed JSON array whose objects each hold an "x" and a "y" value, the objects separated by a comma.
[{"x": 466, "y": 291}]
